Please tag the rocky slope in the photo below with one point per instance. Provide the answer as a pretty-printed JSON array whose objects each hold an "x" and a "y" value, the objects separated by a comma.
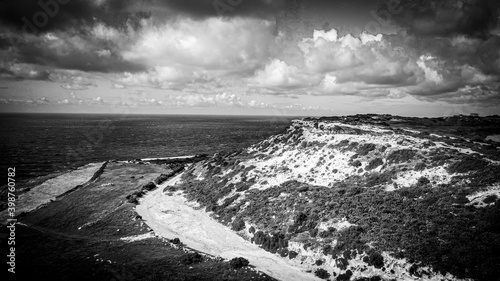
[{"x": 365, "y": 197}]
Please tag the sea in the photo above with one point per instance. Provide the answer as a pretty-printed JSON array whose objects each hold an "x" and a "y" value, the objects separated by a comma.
[{"x": 44, "y": 144}]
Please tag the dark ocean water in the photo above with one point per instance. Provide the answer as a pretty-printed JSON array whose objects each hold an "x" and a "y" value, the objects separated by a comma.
[{"x": 42, "y": 144}]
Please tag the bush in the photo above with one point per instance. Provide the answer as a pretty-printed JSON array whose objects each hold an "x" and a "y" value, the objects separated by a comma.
[
  {"x": 375, "y": 259},
  {"x": 321, "y": 273},
  {"x": 191, "y": 258},
  {"x": 345, "y": 277},
  {"x": 162, "y": 178},
  {"x": 467, "y": 164},
  {"x": 149, "y": 186},
  {"x": 292, "y": 254},
  {"x": 355, "y": 163},
  {"x": 238, "y": 225},
  {"x": 342, "y": 263},
  {"x": 420, "y": 167},
  {"x": 132, "y": 199},
  {"x": 238, "y": 262},
  {"x": 490, "y": 199},
  {"x": 374, "y": 164},
  {"x": 422, "y": 181},
  {"x": 366, "y": 148},
  {"x": 403, "y": 155}
]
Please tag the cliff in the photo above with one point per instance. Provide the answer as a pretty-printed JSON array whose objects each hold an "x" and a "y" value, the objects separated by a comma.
[{"x": 368, "y": 197}]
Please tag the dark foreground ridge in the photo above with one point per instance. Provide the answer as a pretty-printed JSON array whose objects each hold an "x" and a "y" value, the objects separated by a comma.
[{"x": 94, "y": 233}]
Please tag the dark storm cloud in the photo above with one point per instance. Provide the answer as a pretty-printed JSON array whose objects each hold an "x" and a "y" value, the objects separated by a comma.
[
  {"x": 449, "y": 17},
  {"x": 214, "y": 8},
  {"x": 76, "y": 59},
  {"x": 34, "y": 16}
]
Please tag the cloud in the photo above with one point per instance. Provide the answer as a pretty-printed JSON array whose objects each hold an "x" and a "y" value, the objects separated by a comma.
[
  {"x": 73, "y": 80},
  {"x": 446, "y": 18},
  {"x": 376, "y": 66},
  {"x": 21, "y": 71},
  {"x": 278, "y": 74},
  {"x": 232, "y": 8},
  {"x": 76, "y": 50},
  {"x": 236, "y": 44},
  {"x": 36, "y": 17}
]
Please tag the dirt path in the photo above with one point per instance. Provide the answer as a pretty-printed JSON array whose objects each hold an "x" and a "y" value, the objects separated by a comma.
[{"x": 172, "y": 216}]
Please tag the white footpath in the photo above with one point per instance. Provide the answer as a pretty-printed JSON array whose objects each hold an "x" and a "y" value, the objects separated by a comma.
[{"x": 173, "y": 217}]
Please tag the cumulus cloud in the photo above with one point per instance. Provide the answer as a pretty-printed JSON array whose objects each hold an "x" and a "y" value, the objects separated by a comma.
[
  {"x": 373, "y": 66},
  {"x": 278, "y": 74},
  {"x": 236, "y": 44}
]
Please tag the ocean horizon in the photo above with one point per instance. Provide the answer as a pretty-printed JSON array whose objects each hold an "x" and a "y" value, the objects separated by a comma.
[{"x": 39, "y": 144}]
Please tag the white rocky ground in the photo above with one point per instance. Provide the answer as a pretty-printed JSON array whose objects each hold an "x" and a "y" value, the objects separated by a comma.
[
  {"x": 477, "y": 199},
  {"x": 171, "y": 216},
  {"x": 325, "y": 161}
]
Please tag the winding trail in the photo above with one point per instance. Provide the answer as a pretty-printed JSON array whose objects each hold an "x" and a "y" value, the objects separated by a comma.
[{"x": 172, "y": 216}]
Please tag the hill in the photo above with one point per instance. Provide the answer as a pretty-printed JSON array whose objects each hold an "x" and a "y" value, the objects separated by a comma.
[{"x": 365, "y": 197}]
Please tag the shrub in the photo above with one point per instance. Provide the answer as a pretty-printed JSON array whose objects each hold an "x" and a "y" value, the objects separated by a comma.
[
  {"x": 191, "y": 258},
  {"x": 321, "y": 273},
  {"x": 238, "y": 225},
  {"x": 420, "y": 167},
  {"x": 375, "y": 259},
  {"x": 242, "y": 187},
  {"x": 399, "y": 156},
  {"x": 345, "y": 276},
  {"x": 342, "y": 263},
  {"x": 283, "y": 252},
  {"x": 132, "y": 199},
  {"x": 238, "y": 262},
  {"x": 300, "y": 218},
  {"x": 466, "y": 164},
  {"x": 423, "y": 181},
  {"x": 355, "y": 163},
  {"x": 374, "y": 164},
  {"x": 292, "y": 254},
  {"x": 366, "y": 148},
  {"x": 149, "y": 186},
  {"x": 490, "y": 199},
  {"x": 378, "y": 178}
]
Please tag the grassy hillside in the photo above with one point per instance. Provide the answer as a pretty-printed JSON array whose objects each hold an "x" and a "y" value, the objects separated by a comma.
[{"x": 95, "y": 233}]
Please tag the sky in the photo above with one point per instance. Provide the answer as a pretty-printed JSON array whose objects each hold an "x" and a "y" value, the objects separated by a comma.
[{"x": 251, "y": 57}]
